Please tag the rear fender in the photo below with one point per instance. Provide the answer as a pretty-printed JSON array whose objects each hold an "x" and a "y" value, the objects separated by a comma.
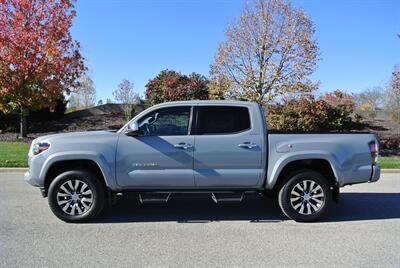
[{"x": 285, "y": 159}]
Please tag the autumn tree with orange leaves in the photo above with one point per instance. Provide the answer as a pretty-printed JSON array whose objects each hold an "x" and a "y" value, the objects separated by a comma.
[{"x": 39, "y": 60}]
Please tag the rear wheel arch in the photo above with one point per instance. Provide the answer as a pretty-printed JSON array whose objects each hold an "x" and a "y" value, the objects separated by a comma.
[
  {"x": 305, "y": 196},
  {"x": 322, "y": 166}
]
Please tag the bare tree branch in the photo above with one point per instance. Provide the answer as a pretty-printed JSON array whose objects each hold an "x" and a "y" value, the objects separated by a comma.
[{"x": 269, "y": 51}]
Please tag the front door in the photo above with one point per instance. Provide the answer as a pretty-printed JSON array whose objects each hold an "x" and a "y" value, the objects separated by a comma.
[
  {"x": 162, "y": 155},
  {"x": 228, "y": 153}
]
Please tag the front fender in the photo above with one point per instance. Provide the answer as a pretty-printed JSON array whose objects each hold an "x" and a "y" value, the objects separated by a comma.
[
  {"x": 287, "y": 158},
  {"x": 106, "y": 168}
]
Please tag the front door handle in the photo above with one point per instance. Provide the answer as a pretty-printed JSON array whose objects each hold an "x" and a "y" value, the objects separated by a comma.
[
  {"x": 183, "y": 145},
  {"x": 248, "y": 145}
]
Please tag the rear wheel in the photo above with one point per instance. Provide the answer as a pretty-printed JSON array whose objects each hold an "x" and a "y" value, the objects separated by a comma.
[
  {"x": 305, "y": 197},
  {"x": 76, "y": 196}
]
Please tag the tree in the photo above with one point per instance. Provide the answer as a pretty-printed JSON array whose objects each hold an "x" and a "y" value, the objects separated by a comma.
[
  {"x": 108, "y": 100},
  {"x": 393, "y": 96},
  {"x": 39, "y": 60},
  {"x": 269, "y": 51},
  {"x": 218, "y": 88},
  {"x": 87, "y": 90},
  {"x": 170, "y": 85},
  {"x": 100, "y": 102},
  {"x": 84, "y": 95},
  {"x": 125, "y": 95},
  {"x": 369, "y": 101}
]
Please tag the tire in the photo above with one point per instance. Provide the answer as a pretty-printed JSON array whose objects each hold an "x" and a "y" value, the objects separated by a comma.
[
  {"x": 305, "y": 197},
  {"x": 76, "y": 196}
]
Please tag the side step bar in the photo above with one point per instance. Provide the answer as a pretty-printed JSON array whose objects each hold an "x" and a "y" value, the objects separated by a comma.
[
  {"x": 164, "y": 197},
  {"x": 154, "y": 198},
  {"x": 221, "y": 198}
]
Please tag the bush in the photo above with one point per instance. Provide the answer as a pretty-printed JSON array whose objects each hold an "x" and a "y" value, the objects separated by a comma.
[
  {"x": 2, "y": 121},
  {"x": 306, "y": 113},
  {"x": 342, "y": 106},
  {"x": 302, "y": 114},
  {"x": 50, "y": 113},
  {"x": 390, "y": 143},
  {"x": 10, "y": 122}
]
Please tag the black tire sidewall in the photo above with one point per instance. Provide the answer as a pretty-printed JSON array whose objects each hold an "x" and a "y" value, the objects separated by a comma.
[
  {"x": 94, "y": 184},
  {"x": 285, "y": 191}
]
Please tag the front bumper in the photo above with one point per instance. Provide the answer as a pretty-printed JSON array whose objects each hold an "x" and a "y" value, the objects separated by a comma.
[
  {"x": 33, "y": 175},
  {"x": 34, "y": 182},
  {"x": 376, "y": 173},
  {"x": 31, "y": 179}
]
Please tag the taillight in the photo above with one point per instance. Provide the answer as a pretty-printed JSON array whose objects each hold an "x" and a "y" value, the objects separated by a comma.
[{"x": 374, "y": 149}]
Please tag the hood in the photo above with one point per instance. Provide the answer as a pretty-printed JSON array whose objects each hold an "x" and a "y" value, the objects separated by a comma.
[{"x": 76, "y": 135}]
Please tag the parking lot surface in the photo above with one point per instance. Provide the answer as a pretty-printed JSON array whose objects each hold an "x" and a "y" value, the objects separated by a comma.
[{"x": 363, "y": 230}]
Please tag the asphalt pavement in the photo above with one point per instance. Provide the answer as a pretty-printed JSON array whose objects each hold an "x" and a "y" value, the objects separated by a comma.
[{"x": 363, "y": 230}]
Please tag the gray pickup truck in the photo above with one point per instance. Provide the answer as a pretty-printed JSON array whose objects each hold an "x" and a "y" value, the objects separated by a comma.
[{"x": 218, "y": 148}]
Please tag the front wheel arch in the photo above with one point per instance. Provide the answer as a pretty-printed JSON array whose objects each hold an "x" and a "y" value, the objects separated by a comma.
[
  {"x": 60, "y": 167},
  {"x": 76, "y": 196}
]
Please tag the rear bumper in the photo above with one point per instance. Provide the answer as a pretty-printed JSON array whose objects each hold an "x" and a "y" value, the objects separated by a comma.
[{"x": 376, "y": 173}]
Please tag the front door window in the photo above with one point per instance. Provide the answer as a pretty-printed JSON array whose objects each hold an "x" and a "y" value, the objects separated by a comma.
[{"x": 173, "y": 121}]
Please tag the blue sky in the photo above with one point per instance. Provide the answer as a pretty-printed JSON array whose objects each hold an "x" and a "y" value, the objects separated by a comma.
[{"x": 136, "y": 39}]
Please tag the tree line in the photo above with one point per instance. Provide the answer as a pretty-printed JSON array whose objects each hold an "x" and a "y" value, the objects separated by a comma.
[{"x": 267, "y": 56}]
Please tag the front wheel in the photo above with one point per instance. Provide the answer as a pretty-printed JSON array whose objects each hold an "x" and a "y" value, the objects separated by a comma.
[
  {"x": 305, "y": 197},
  {"x": 76, "y": 196}
]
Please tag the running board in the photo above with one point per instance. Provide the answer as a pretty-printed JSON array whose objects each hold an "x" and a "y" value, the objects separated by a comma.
[
  {"x": 229, "y": 198},
  {"x": 217, "y": 197},
  {"x": 154, "y": 197}
]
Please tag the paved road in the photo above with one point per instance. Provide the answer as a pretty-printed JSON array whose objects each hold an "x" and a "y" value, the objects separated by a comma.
[{"x": 362, "y": 230}]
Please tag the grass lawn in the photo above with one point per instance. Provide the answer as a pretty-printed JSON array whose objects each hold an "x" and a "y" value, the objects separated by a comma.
[
  {"x": 14, "y": 154},
  {"x": 389, "y": 162}
]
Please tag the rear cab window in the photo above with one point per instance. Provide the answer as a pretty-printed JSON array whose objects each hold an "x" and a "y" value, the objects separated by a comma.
[{"x": 217, "y": 120}]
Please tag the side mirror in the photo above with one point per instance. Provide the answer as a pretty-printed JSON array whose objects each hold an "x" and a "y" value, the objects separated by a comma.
[{"x": 133, "y": 129}]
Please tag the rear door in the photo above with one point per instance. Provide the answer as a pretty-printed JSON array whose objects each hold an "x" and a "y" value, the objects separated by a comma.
[{"x": 227, "y": 151}]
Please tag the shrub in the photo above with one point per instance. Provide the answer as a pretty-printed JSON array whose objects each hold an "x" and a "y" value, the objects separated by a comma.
[
  {"x": 340, "y": 100},
  {"x": 54, "y": 112},
  {"x": 390, "y": 143},
  {"x": 302, "y": 114},
  {"x": 10, "y": 122},
  {"x": 306, "y": 113}
]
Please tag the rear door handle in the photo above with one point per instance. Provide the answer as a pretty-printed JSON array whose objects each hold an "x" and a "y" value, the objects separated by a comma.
[
  {"x": 183, "y": 145},
  {"x": 248, "y": 145}
]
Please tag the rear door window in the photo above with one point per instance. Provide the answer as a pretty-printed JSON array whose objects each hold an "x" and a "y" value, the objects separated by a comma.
[{"x": 214, "y": 120}]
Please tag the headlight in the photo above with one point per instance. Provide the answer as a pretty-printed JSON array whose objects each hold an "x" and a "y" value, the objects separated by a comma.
[{"x": 40, "y": 147}]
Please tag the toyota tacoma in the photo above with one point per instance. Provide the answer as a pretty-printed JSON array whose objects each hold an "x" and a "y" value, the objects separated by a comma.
[{"x": 219, "y": 148}]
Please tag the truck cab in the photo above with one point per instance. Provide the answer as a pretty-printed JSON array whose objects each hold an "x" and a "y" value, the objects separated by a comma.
[{"x": 193, "y": 145}]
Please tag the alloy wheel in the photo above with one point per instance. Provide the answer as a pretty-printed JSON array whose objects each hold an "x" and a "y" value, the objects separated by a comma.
[
  {"x": 75, "y": 197},
  {"x": 307, "y": 197}
]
